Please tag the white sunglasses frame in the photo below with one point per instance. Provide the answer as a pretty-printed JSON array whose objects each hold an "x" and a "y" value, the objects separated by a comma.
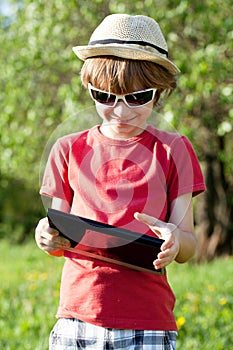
[{"x": 120, "y": 97}]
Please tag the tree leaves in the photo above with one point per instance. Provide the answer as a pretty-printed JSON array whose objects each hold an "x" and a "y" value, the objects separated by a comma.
[{"x": 40, "y": 85}]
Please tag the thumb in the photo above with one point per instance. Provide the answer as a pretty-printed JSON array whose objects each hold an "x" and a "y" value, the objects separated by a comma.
[
  {"x": 157, "y": 226},
  {"x": 146, "y": 219}
]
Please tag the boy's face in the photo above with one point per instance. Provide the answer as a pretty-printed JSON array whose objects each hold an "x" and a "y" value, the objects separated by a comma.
[{"x": 123, "y": 122}]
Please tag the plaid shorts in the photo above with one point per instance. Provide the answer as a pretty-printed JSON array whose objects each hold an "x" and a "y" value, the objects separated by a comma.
[{"x": 73, "y": 334}]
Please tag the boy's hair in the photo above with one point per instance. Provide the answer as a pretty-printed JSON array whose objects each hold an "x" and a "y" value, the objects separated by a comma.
[{"x": 122, "y": 76}]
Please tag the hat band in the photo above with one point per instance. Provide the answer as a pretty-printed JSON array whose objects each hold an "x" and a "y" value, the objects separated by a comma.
[{"x": 117, "y": 41}]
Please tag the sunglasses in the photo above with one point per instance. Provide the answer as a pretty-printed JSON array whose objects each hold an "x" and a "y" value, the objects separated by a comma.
[{"x": 133, "y": 100}]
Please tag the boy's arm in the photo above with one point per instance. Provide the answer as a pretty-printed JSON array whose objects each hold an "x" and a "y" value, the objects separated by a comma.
[{"x": 182, "y": 218}]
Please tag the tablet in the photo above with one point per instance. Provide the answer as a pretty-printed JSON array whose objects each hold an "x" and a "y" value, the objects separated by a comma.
[{"x": 108, "y": 243}]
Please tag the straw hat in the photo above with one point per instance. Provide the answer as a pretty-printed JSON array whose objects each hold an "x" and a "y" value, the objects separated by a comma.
[{"x": 131, "y": 37}]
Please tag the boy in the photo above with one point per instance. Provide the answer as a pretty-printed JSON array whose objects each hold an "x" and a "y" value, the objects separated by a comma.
[{"x": 126, "y": 173}]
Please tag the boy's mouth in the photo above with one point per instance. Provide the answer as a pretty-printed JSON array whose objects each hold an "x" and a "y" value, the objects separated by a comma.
[{"x": 123, "y": 121}]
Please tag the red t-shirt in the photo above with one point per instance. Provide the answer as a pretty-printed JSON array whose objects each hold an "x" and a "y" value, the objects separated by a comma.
[{"x": 109, "y": 180}]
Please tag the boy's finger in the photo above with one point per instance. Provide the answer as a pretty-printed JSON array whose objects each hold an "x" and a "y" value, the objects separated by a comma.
[
  {"x": 50, "y": 234},
  {"x": 63, "y": 241},
  {"x": 156, "y": 225},
  {"x": 146, "y": 219}
]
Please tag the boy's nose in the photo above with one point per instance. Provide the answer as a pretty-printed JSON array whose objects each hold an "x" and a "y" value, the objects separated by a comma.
[{"x": 121, "y": 110}]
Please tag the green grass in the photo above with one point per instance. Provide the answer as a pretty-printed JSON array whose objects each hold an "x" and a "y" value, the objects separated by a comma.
[
  {"x": 204, "y": 307},
  {"x": 29, "y": 294}
]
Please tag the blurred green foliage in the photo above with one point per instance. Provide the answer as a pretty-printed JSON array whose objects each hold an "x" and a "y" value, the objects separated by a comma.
[{"x": 40, "y": 86}]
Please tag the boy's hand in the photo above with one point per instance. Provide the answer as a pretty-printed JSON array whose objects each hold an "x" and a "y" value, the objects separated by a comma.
[
  {"x": 166, "y": 231},
  {"x": 48, "y": 239}
]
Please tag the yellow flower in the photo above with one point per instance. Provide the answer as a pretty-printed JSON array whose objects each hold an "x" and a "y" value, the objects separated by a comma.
[
  {"x": 180, "y": 322},
  {"x": 32, "y": 287},
  {"x": 211, "y": 288},
  {"x": 223, "y": 301},
  {"x": 44, "y": 276}
]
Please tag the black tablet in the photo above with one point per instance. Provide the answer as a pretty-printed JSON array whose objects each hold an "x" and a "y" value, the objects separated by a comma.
[{"x": 107, "y": 243}]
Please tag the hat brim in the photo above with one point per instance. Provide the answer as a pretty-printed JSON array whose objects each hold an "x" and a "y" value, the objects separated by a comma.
[{"x": 128, "y": 52}]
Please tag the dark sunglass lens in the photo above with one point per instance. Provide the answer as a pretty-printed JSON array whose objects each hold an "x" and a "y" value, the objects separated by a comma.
[
  {"x": 139, "y": 98},
  {"x": 103, "y": 97}
]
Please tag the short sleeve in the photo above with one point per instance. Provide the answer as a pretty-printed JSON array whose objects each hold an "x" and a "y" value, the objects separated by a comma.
[
  {"x": 185, "y": 174},
  {"x": 55, "y": 181}
]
